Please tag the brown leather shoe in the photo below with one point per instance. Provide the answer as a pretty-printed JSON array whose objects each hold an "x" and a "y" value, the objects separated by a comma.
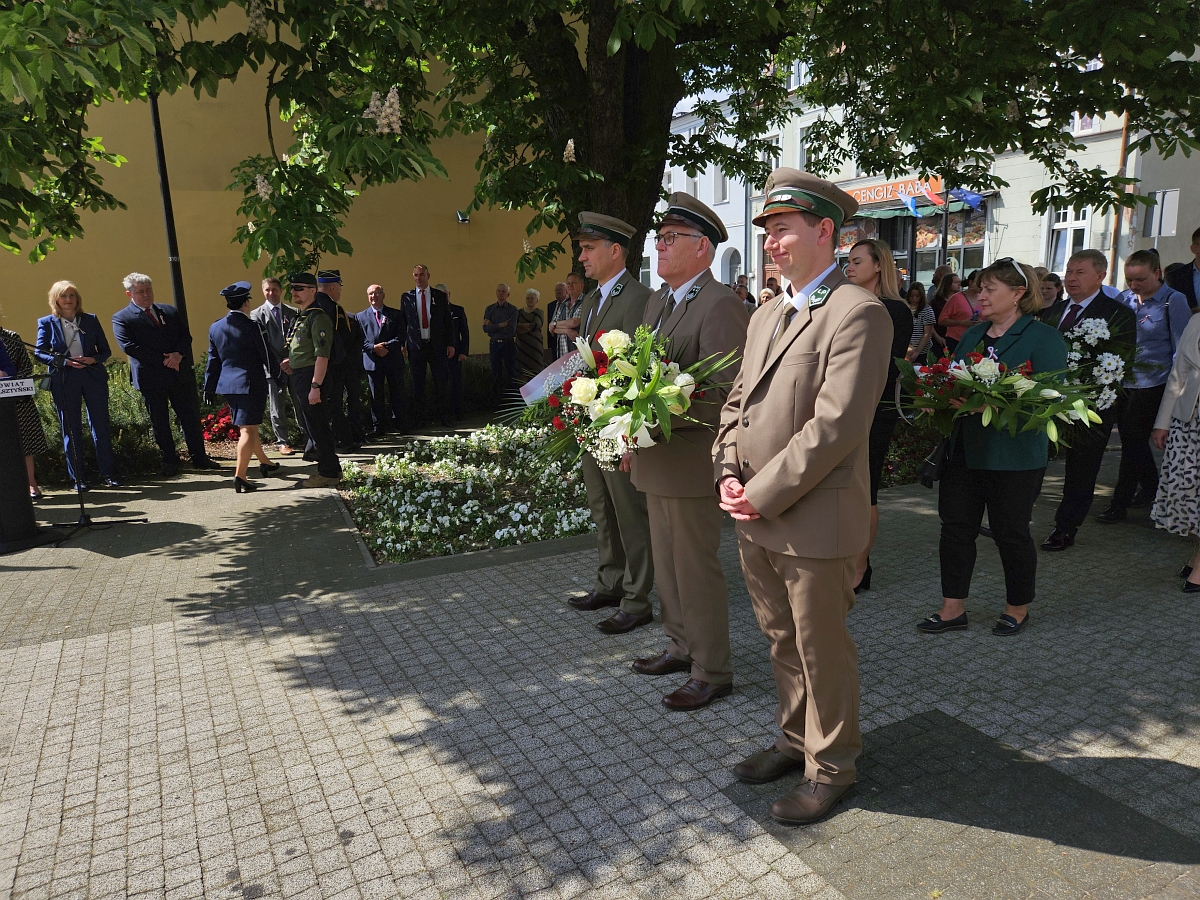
[
  {"x": 766, "y": 766},
  {"x": 664, "y": 664},
  {"x": 695, "y": 694},
  {"x": 594, "y": 600},
  {"x": 621, "y": 622},
  {"x": 808, "y": 802}
]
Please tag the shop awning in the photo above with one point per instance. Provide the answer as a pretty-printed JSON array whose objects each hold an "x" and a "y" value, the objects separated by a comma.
[{"x": 893, "y": 212}]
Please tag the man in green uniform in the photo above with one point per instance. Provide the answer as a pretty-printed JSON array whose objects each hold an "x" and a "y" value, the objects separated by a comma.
[
  {"x": 308, "y": 348},
  {"x": 626, "y": 571}
]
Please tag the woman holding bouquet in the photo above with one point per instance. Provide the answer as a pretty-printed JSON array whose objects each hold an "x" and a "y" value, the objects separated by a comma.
[{"x": 988, "y": 469}]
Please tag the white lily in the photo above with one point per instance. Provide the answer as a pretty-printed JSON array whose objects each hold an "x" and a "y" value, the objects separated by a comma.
[
  {"x": 585, "y": 351},
  {"x": 618, "y": 427},
  {"x": 686, "y": 384}
]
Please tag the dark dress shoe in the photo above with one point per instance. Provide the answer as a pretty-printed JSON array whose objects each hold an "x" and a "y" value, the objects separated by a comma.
[
  {"x": 169, "y": 470},
  {"x": 1190, "y": 588},
  {"x": 36, "y": 495},
  {"x": 621, "y": 622},
  {"x": 205, "y": 463},
  {"x": 1059, "y": 539},
  {"x": 986, "y": 531},
  {"x": 594, "y": 600},
  {"x": 935, "y": 624},
  {"x": 79, "y": 487},
  {"x": 808, "y": 803},
  {"x": 310, "y": 456},
  {"x": 268, "y": 470},
  {"x": 1111, "y": 516},
  {"x": 1006, "y": 625},
  {"x": 664, "y": 664},
  {"x": 695, "y": 694},
  {"x": 1142, "y": 498},
  {"x": 766, "y": 766}
]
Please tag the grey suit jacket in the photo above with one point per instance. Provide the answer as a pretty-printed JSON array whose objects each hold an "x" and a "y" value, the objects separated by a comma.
[
  {"x": 264, "y": 317},
  {"x": 623, "y": 311}
]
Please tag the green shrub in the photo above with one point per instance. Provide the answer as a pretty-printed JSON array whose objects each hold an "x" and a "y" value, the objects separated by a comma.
[{"x": 910, "y": 445}]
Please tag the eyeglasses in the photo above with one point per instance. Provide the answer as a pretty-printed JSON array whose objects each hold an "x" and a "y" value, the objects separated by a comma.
[
  {"x": 1012, "y": 262},
  {"x": 667, "y": 238}
]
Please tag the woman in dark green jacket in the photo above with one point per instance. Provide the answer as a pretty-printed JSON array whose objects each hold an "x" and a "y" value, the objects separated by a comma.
[{"x": 990, "y": 470}]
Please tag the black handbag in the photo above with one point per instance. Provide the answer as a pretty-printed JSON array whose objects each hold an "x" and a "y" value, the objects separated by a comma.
[{"x": 934, "y": 466}]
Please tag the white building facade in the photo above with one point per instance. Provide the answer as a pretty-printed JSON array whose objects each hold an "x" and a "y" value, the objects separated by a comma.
[{"x": 1004, "y": 224}]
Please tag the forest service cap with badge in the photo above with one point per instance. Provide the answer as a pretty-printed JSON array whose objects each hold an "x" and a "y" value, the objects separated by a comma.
[
  {"x": 683, "y": 208},
  {"x": 608, "y": 228},
  {"x": 790, "y": 190}
]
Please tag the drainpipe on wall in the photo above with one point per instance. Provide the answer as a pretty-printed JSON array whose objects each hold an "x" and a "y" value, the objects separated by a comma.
[{"x": 1119, "y": 214}]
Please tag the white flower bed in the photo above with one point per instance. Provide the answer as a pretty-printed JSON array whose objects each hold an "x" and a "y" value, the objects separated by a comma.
[{"x": 459, "y": 493}]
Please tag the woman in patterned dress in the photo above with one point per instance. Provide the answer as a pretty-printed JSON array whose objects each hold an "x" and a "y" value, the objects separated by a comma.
[
  {"x": 531, "y": 323},
  {"x": 1177, "y": 433},
  {"x": 33, "y": 438}
]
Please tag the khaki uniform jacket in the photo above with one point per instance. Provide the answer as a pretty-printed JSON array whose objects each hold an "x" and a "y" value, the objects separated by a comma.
[
  {"x": 712, "y": 323},
  {"x": 623, "y": 311},
  {"x": 795, "y": 425}
]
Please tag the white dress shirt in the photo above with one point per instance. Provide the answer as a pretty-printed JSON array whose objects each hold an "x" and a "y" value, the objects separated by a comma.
[
  {"x": 424, "y": 302},
  {"x": 800, "y": 298}
]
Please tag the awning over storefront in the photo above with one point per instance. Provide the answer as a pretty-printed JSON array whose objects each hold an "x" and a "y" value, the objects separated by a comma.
[{"x": 893, "y": 212}]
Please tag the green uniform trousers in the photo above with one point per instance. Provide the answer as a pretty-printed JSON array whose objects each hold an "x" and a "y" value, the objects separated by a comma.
[{"x": 622, "y": 536}]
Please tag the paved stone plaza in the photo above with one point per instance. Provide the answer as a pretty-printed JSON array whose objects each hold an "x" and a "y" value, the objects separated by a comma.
[{"x": 228, "y": 702}]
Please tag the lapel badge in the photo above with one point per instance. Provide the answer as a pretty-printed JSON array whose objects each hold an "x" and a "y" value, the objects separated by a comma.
[
  {"x": 616, "y": 291},
  {"x": 691, "y": 295},
  {"x": 819, "y": 296}
]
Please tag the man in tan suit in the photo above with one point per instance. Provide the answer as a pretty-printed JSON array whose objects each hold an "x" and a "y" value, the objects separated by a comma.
[
  {"x": 791, "y": 466},
  {"x": 699, "y": 317},
  {"x": 626, "y": 571}
]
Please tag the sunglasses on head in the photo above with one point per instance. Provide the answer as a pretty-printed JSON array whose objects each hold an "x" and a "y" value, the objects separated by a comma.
[{"x": 1008, "y": 260}]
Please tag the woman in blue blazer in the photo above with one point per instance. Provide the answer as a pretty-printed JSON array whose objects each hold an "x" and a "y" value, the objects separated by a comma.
[
  {"x": 72, "y": 343},
  {"x": 237, "y": 370},
  {"x": 991, "y": 469}
]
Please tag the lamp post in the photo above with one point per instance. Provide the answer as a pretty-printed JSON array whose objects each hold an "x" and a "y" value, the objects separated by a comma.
[{"x": 164, "y": 186}]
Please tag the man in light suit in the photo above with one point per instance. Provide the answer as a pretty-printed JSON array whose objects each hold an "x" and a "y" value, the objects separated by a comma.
[
  {"x": 626, "y": 571},
  {"x": 699, "y": 318},
  {"x": 275, "y": 318},
  {"x": 384, "y": 333},
  {"x": 791, "y": 467}
]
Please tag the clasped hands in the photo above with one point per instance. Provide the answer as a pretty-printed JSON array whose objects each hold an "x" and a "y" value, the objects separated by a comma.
[
  {"x": 733, "y": 499},
  {"x": 172, "y": 360}
]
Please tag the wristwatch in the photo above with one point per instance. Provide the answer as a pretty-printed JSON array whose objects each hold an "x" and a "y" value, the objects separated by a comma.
[{"x": 315, "y": 385}]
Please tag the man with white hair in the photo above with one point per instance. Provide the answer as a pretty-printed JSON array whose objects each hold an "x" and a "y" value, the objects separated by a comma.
[{"x": 156, "y": 340}]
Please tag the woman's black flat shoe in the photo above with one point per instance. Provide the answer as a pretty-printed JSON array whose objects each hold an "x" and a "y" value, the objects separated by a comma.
[
  {"x": 1006, "y": 625},
  {"x": 242, "y": 485},
  {"x": 1189, "y": 588},
  {"x": 267, "y": 471},
  {"x": 1185, "y": 572},
  {"x": 36, "y": 495},
  {"x": 936, "y": 624},
  {"x": 865, "y": 583}
]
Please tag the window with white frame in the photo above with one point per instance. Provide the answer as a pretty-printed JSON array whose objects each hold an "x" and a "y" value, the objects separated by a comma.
[
  {"x": 1068, "y": 235},
  {"x": 667, "y": 179},
  {"x": 797, "y": 76},
  {"x": 771, "y": 156},
  {"x": 802, "y": 148},
  {"x": 720, "y": 186},
  {"x": 693, "y": 185}
]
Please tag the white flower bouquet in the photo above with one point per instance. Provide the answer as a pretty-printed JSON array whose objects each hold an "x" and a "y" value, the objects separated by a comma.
[
  {"x": 625, "y": 397},
  {"x": 1095, "y": 358}
]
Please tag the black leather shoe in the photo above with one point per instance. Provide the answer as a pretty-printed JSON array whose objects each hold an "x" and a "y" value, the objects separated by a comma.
[
  {"x": 79, "y": 486},
  {"x": 110, "y": 482},
  {"x": 1190, "y": 588},
  {"x": 621, "y": 622},
  {"x": 169, "y": 470},
  {"x": 1007, "y": 625},
  {"x": 1059, "y": 539},
  {"x": 310, "y": 456},
  {"x": 594, "y": 600},
  {"x": 1142, "y": 498},
  {"x": 205, "y": 463},
  {"x": 769, "y": 765},
  {"x": 1111, "y": 516},
  {"x": 986, "y": 531},
  {"x": 663, "y": 664},
  {"x": 935, "y": 624},
  {"x": 268, "y": 471}
]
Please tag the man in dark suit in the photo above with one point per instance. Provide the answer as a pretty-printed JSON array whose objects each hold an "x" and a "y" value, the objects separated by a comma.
[
  {"x": 383, "y": 359},
  {"x": 462, "y": 349},
  {"x": 275, "y": 318},
  {"x": 430, "y": 340},
  {"x": 159, "y": 347},
  {"x": 1086, "y": 299},
  {"x": 1186, "y": 278}
]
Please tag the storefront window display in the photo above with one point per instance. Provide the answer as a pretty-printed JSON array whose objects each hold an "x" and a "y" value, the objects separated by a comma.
[{"x": 917, "y": 242}]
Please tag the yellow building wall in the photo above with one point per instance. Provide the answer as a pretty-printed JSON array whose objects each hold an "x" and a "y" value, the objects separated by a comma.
[{"x": 391, "y": 227}]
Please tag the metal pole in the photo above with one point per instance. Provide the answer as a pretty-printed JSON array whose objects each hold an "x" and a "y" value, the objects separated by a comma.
[{"x": 164, "y": 186}]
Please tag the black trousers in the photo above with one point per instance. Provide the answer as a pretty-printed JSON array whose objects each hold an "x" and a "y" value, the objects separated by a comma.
[
  {"x": 503, "y": 355},
  {"x": 454, "y": 367},
  {"x": 883, "y": 426},
  {"x": 435, "y": 359},
  {"x": 385, "y": 382},
  {"x": 1083, "y": 458},
  {"x": 316, "y": 420},
  {"x": 1008, "y": 498},
  {"x": 178, "y": 392},
  {"x": 1135, "y": 423}
]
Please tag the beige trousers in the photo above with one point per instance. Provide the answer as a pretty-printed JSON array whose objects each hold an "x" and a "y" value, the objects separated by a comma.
[
  {"x": 626, "y": 567},
  {"x": 685, "y": 533},
  {"x": 801, "y": 605}
]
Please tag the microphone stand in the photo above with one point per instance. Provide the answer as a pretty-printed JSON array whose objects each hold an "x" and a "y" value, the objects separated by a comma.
[{"x": 57, "y": 368}]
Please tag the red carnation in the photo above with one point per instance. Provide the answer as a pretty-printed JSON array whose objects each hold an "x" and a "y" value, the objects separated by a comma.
[
  {"x": 554, "y": 401},
  {"x": 558, "y": 424},
  {"x": 601, "y": 358},
  {"x": 974, "y": 357},
  {"x": 574, "y": 421},
  {"x": 1003, "y": 368},
  {"x": 603, "y": 370}
]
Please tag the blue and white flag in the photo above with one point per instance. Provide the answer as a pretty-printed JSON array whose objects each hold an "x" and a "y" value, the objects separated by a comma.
[
  {"x": 911, "y": 203},
  {"x": 970, "y": 198}
]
